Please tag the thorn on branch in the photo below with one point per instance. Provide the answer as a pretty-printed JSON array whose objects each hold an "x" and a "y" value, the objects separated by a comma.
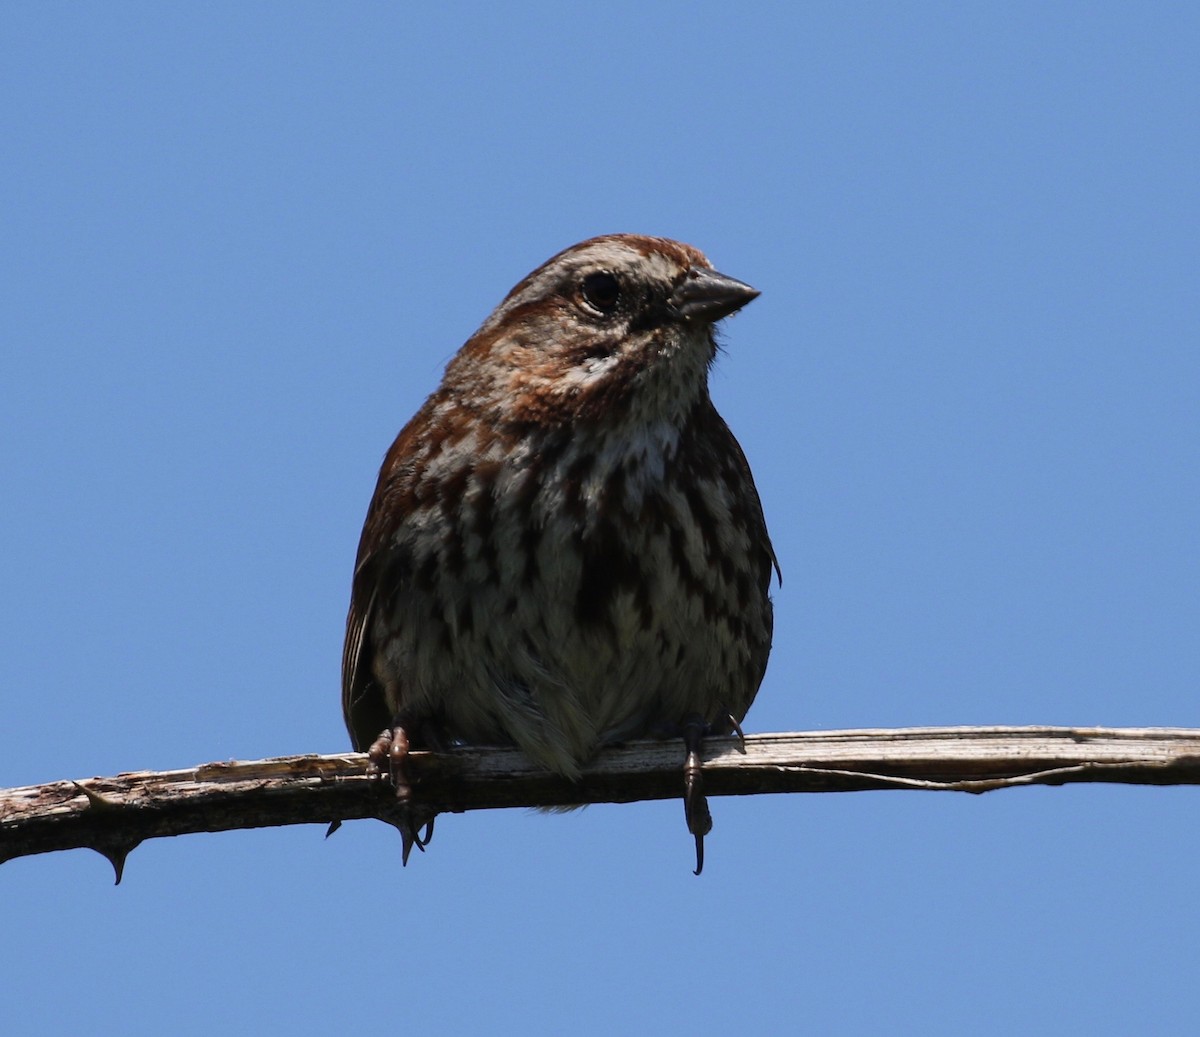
[
  {"x": 113, "y": 815},
  {"x": 98, "y": 800},
  {"x": 115, "y": 855}
]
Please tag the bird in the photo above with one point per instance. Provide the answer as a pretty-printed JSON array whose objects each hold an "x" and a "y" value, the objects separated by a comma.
[{"x": 565, "y": 549}]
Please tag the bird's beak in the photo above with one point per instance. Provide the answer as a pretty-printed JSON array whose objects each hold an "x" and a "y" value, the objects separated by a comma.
[{"x": 705, "y": 295}]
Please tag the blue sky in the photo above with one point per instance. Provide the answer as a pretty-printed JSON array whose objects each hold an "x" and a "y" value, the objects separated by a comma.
[{"x": 240, "y": 242}]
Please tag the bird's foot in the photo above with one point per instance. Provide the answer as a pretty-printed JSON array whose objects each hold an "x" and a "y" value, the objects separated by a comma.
[
  {"x": 695, "y": 804},
  {"x": 388, "y": 755}
]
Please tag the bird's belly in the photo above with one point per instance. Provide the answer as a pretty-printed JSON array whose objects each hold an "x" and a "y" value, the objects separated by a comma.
[{"x": 595, "y": 648}]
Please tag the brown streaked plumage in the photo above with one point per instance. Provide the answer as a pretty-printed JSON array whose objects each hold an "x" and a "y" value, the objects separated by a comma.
[{"x": 565, "y": 548}]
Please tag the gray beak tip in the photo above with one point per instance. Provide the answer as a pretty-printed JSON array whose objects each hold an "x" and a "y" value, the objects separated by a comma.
[{"x": 705, "y": 295}]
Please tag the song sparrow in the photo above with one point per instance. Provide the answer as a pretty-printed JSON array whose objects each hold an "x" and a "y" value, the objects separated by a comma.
[{"x": 566, "y": 548}]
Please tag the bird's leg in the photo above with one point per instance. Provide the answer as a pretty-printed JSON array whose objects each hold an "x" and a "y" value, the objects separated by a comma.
[
  {"x": 389, "y": 754},
  {"x": 695, "y": 805}
]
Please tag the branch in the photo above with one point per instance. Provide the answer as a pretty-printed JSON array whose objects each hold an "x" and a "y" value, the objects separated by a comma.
[{"x": 113, "y": 815}]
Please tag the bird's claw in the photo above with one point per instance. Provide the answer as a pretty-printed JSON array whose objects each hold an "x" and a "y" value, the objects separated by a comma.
[
  {"x": 415, "y": 828},
  {"x": 388, "y": 755},
  {"x": 695, "y": 803},
  {"x": 737, "y": 730}
]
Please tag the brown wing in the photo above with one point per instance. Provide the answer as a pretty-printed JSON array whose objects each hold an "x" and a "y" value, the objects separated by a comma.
[
  {"x": 749, "y": 509},
  {"x": 752, "y": 519},
  {"x": 379, "y": 572},
  {"x": 363, "y": 703}
]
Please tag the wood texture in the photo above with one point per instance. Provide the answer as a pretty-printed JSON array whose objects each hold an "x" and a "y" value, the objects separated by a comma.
[{"x": 112, "y": 815}]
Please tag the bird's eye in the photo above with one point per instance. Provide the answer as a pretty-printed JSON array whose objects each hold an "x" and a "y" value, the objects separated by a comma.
[{"x": 601, "y": 291}]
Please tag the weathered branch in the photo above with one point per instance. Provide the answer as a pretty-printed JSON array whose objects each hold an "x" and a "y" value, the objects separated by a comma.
[{"x": 113, "y": 815}]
